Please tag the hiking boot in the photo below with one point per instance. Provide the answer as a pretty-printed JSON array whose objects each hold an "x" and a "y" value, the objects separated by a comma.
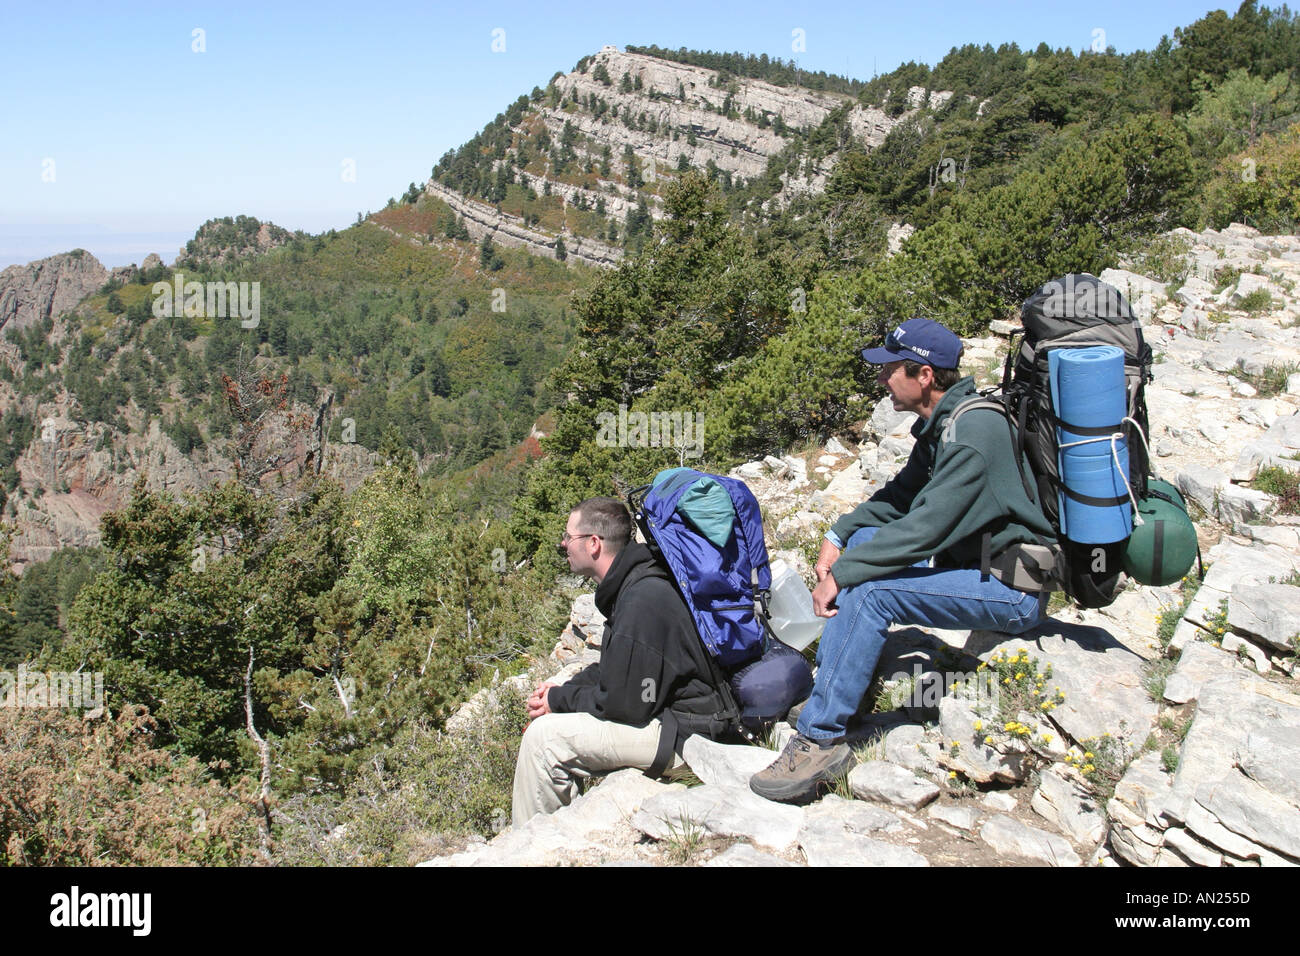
[{"x": 803, "y": 767}]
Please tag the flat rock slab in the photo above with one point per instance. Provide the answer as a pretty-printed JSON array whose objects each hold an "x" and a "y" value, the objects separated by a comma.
[
  {"x": 1242, "y": 725},
  {"x": 1189, "y": 848},
  {"x": 729, "y": 765},
  {"x": 611, "y": 803},
  {"x": 1246, "y": 808},
  {"x": 1101, "y": 680},
  {"x": 839, "y": 832},
  {"x": 1069, "y": 807},
  {"x": 973, "y": 758},
  {"x": 910, "y": 747},
  {"x": 1129, "y": 619},
  {"x": 571, "y": 832},
  {"x": 1271, "y": 757},
  {"x": 1200, "y": 662},
  {"x": 1002, "y": 802},
  {"x": 1141, "y": 793},
  {"x": 1270, "y": 612},
  {"x": 849, "y": 486},
  {"x": 1008, "y": 835},
  {"x": 742, "y": 854},
  {"x": 1229, "y": 712},
  {"x": 1231, "y": 565},
  {"x": 856, "y": 816},
  {"x": 721, "y": 811},
  {"x": 963, "y": 818},
  {"x": 889, "y": 783}
]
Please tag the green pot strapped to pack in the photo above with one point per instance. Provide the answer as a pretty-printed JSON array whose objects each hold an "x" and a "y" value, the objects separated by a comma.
[{"x": 1163, "y": 546}]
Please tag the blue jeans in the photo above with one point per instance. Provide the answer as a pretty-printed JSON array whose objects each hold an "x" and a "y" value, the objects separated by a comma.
[{"x": 950, "y": 598}]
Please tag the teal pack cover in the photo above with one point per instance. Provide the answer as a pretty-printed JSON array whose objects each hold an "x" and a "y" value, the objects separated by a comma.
[{"x": 706, "y": 505}]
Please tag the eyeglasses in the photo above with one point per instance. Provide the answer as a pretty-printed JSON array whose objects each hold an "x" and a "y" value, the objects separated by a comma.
[{"x": 566, "y": 537}]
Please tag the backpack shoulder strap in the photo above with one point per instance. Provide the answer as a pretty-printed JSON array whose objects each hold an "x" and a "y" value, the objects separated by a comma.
[
  {"x": 969, "y": 405},
  {"x": 949, "y": 429}
]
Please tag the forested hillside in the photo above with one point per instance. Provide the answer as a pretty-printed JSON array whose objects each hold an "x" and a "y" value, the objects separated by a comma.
[{"x": 300, "y": 647}]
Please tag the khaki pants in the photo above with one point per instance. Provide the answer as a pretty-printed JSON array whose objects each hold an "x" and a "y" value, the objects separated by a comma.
[{"x": 558, "y": 750}]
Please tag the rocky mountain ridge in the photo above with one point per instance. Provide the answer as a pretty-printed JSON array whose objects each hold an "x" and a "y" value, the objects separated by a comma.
[
  {"x": 46, "y": 288},
  {"x": 673, "y": 115},
  {"x": 1168, "y": 725},
  {"x": 73, "y": 470}
]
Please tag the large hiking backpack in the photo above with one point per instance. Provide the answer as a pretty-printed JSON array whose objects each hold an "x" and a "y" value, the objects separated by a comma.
[
  {"x": 708, "y": 532},
  {"x": 1078, "y": 311},
  {"x": 1073, "y": 312}
]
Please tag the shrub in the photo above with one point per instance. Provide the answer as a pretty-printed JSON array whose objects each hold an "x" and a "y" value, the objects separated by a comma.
[
  {"x": 425, "y": 792},
  {"x": 82, "y": 792},
  {"x": 1164, "y": 258},
  {"x": 1261, "y": 300},
  {"x": 1102, "y": 761},
  {"x": 1284, "y": 484},
  {"x": 1272, "y": 380}
]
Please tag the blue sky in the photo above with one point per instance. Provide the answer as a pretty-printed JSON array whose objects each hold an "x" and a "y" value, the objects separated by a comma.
[{"x": 118, "y": 137}]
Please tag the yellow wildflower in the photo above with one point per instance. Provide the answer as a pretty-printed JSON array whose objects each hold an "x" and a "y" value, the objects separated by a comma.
[{"x": 979, "y": 725}]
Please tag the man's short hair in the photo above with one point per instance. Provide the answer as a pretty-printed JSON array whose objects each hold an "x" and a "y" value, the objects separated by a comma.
[
  {"x": 944, "y": 378},
  {"x": 607, "y": 518}
]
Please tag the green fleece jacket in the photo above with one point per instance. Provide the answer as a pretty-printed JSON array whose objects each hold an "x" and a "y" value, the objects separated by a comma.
[{"x": 945, "y": 498}]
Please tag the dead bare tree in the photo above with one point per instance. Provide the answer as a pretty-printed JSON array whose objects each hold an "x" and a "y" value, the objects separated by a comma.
[
  {"x": 254, "y": 399},
  {"x": 264, "y": 752}
]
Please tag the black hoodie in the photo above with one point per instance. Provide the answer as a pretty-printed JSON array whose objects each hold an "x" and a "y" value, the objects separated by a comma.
[{"x": 651, "y": 658}]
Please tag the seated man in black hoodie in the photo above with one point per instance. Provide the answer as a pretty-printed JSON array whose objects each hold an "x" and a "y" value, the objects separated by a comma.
[{"x": 652, "y": 687}]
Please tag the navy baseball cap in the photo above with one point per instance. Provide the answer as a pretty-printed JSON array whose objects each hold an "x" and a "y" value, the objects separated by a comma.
[{"x": 918, "y": 340}]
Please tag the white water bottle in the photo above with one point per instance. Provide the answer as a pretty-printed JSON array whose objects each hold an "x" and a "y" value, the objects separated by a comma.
[{"x": 791, "y": 609}]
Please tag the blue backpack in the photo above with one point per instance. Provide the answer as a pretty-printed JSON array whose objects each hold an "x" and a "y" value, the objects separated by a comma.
[{"x": 708, "y": 531}]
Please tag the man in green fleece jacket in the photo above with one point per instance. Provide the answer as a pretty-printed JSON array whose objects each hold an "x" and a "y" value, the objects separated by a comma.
[{"x": 912, "y": 554}]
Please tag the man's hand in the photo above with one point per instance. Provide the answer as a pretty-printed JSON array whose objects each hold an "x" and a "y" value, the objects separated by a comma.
[
  {"x": 828, "y": 556},
  {"x": 537, "y": 703},
  {"x": 823, "y": 596}
]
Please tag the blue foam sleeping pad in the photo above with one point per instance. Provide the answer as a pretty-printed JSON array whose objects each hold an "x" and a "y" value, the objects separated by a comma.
[{"x": 1091, "y": 400}]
